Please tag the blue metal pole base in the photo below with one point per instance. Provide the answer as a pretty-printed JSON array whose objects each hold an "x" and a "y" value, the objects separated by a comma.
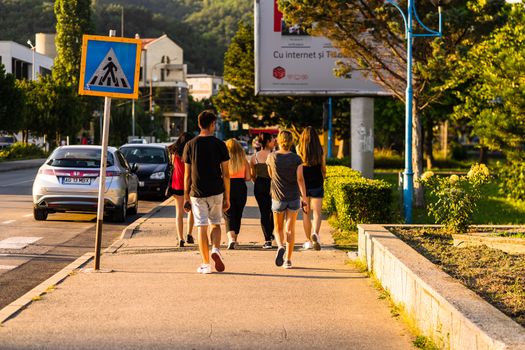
[{"x": 408, "y": 192}]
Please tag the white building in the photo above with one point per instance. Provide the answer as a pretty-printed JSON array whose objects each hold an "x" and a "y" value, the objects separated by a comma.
[
  {"x": 202, "y": 86},
  {"x": 163, "y": 79},
  {"x": 20, "y": 60}
]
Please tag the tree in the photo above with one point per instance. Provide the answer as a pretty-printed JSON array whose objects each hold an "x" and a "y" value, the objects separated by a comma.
[
  {"x": 50, "y": 109},
  {"x": 11, "y": 102},
  {"x": 240, "y": 103},
  {"x": 73, "y": 20},
  {"x": 490, "y": 83},
  {"x": 370, "y": 34}
]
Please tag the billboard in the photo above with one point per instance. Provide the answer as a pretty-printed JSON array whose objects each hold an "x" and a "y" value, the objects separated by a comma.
[{"x": 288, "y": 61}]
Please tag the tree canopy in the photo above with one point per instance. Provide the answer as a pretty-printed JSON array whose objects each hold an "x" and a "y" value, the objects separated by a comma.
[{"x": 490, "y": 84}]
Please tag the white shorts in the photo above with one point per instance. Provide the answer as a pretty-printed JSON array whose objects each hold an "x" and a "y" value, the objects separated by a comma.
[{"x": 207, "y": 210}]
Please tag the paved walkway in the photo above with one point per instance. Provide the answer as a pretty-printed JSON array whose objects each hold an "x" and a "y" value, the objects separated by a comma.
[{"x": 154, "y": 299}]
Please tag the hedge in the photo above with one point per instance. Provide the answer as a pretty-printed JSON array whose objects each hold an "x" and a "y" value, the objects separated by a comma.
[
  {"x": 21, "y": 150},
  {"x": 354, "y": 200}
]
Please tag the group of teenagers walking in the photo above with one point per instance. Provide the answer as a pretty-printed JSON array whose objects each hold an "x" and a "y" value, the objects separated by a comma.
[{"x": 209, "y": 183}]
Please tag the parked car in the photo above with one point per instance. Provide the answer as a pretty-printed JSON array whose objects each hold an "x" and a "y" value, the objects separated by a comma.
[
  {"x": 6, "y": 141},
  {"x": 155, "y": 167},
  {"x": 69, "y": 181}
]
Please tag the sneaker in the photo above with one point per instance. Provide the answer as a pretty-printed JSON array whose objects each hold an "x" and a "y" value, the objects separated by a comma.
[
  {"x": 231, "y": 245},
  {"x": 217, "y": 258},
  {"x": 189, "y": 239},
  {"x": 317, "y": 243},
  {"x": 204, "y": 268},
  {"x": 181, "y": 243},
  {"x": 267, "y": 245},
  {"x": 279, "y": 261},
  {"x": 287, "y": 264},
  {"x": 307, "y": 245}
]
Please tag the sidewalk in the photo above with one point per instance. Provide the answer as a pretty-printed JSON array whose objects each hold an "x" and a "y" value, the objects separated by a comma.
[
  {"x": 154, "y": 299},
  {"x": 20, "y": 164}
]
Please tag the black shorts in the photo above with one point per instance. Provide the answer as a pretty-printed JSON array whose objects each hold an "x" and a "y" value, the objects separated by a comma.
[
  {"x": 177, "y": 192},
  {"x": 317, "y": 192}
]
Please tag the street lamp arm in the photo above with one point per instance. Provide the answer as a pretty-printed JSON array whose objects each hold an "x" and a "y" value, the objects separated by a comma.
[
  {"x": 431, "y": 32},
  {"x": 396, "y": 5}
]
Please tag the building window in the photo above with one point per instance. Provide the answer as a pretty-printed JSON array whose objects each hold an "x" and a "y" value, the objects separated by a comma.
[
  {"x": 44, "y": 71},
  {"x": 20, "y": 69}
]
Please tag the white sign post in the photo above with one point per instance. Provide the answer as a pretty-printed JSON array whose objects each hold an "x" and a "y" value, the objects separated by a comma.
[{"x": 110, "y": 68}]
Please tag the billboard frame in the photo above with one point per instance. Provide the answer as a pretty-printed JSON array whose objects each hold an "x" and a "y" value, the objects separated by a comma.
[{"x": 290, "y": 92}]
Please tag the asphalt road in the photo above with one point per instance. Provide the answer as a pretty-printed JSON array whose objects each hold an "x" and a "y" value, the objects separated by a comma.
[{"x": 32, "y": 251}]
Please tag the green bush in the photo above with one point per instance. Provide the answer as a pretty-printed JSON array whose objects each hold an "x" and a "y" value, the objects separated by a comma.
[
  {"x": 338, "y": 161},
  {"x": 22, "y": 150},
  {"x": 512, "y": 180},
  {"x": 454, "y": 199},
  {"x": 355, "y": 200}
]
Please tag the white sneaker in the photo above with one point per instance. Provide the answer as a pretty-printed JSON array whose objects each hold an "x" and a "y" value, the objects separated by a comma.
[
  {"x": 217, "y": 259},
  {"x": 317, "y": 241},
  {"x": 307, "y": 245},
  {"x": 204, "y": 268}
]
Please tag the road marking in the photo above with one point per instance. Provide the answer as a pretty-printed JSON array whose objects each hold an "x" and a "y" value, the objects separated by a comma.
[
  {"x": 16, "y": 183},
  {"x": 28, "y": 215},
  {"x": 8, "y": 222},
  {"x": 17, "y": 242},
  {"x": 7, "y": 267}
]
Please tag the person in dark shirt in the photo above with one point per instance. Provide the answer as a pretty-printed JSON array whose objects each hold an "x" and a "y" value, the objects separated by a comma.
[
  {"x": 287, "y": 189},
  {"x": 207, "y": 187},
  {"x": 314, "y": 170}
]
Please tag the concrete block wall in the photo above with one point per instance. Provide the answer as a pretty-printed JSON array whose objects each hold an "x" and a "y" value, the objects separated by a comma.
[{"x": 443, "y": 309}]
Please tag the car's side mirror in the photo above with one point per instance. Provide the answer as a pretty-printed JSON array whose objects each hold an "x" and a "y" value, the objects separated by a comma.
[{"x": 134, "y": 167}]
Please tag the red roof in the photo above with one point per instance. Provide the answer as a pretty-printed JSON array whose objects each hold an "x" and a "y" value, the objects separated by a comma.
[{"x": 146, "y": 42}]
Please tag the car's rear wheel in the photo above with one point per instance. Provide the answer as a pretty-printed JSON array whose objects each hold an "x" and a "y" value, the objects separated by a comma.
[
  {"x": 120, "y": 211},
  {"x": 39, "y": 214}
]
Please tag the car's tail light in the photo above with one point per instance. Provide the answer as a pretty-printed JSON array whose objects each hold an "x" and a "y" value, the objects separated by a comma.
[
  {"x": 113, "y": 173},
  {"x": 46, "y": 172}
]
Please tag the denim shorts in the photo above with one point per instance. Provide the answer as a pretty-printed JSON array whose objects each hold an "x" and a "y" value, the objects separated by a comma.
[
  {"x": 317, "y": 192},
  {"x": 207, "y": 210},
  {"x": 280, "y": 206}
]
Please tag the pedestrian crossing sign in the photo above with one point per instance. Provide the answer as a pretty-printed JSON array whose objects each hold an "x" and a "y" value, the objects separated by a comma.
[{"x": 110, "y": 66}]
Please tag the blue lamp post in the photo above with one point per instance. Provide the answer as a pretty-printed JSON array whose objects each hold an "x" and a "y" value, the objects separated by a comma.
[{"x": 408, "y": 18}]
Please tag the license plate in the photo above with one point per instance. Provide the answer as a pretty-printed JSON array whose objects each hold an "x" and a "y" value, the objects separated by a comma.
[
  {"x": 141, "y": 183},
  {"x": 76, "y": 181}
]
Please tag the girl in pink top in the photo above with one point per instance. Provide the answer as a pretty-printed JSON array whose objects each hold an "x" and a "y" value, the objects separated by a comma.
[{"x": 177, "y": 187}]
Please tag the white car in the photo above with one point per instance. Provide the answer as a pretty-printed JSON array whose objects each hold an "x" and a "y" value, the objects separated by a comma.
[{"x": 69, "y": 181}]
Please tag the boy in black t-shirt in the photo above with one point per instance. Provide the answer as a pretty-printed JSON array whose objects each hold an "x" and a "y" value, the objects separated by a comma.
[{"x": 206, "y": 169}]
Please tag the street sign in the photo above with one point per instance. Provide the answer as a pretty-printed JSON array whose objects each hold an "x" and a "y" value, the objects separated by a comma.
[{"x": 110, "y": 66}]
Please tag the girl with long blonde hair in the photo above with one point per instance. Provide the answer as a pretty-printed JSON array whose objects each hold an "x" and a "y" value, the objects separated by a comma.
[
  {"x": 239, "y": 174},
  {"x": 314, "y": 169},
  {"x": 288, "y": 195}
]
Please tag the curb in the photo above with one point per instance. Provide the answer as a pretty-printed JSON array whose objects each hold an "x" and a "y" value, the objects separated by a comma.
[
  {"x": 128, "y": 232},
  {"x": 20, "y": 166},
  {"x": 25, "y": 300}
]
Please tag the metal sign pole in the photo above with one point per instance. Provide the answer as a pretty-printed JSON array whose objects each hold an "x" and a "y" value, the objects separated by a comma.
[{"x": 102, "y": 176}]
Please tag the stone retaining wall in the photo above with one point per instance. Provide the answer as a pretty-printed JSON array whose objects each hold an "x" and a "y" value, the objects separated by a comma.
[{"x": 443, "y": 309}]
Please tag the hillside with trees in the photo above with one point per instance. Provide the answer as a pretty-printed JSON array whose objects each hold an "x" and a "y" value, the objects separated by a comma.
[{"x": 202, "y": 28}]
